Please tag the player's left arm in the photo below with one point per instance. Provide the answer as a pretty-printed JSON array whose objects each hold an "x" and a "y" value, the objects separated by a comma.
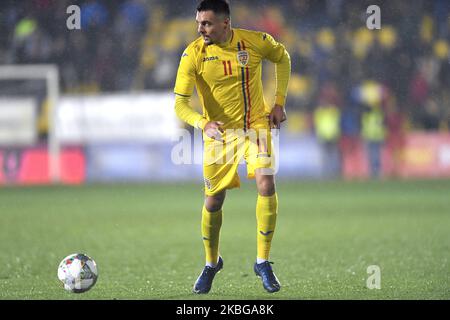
[{"x": 277, "y": 53}]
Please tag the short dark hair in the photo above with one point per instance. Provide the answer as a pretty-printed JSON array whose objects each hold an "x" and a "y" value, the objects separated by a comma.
[{"x": 216, "y": 6}]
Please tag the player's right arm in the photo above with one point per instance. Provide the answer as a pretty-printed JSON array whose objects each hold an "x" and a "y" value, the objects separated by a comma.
[{"x": 184, "y": 87}]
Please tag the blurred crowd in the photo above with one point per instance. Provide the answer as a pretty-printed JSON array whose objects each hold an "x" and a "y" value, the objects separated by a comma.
[
  {"x": 345, "y": 80},
  {"x": 102, "y": 56}
]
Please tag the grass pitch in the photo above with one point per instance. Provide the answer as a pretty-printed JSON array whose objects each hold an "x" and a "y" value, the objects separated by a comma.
[{"x": 147, "y": 244}]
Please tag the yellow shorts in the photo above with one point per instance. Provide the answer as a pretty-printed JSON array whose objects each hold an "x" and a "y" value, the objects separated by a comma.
[{"x": 221, "y": 158}]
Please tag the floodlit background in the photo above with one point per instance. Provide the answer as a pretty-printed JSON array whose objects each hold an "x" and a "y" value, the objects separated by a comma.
[
  {"x": 88, "y": 130},
  {"x": 362, "y": 103}
]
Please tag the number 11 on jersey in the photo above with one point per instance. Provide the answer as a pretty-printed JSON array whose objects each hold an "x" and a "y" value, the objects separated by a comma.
[{"x": 228, "y": 71}]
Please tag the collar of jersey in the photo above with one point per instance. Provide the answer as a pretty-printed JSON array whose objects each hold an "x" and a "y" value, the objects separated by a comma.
[{"x": 226, "y": 43}]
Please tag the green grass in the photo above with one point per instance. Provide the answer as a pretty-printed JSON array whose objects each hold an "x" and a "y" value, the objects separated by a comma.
[{"x": 147, "y": 244}]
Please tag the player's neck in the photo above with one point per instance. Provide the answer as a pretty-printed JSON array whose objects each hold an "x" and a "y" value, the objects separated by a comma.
[{"x": 226, "y": 38}]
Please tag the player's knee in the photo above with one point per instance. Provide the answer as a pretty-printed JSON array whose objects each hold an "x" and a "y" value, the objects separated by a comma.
[
  {"x": 266, "y": 186},
  {"x": 214, "y": 203}
]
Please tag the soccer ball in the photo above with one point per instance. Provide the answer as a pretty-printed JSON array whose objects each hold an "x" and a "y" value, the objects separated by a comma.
[{"x": 78, "y": 273}]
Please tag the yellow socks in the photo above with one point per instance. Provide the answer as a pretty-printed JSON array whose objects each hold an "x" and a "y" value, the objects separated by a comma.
[
  {"x": 266, "y": 217},
  {"x": 211, "y": 223}
]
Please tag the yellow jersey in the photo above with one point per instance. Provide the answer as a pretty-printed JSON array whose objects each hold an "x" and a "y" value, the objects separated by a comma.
[{"x": 228, "y": 79}]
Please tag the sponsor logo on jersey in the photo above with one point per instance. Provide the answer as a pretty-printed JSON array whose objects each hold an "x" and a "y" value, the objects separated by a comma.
[
  {"x": 265, "y": 233},
  {"x": 205, "y": 59},
  {"x": 243, "y": 57}
]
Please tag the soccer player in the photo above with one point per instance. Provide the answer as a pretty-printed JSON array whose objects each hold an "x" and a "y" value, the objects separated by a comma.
[{"x": 224, "y": 64}]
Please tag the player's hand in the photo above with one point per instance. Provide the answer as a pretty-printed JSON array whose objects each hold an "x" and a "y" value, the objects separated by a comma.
[
  {"x": 277, "y": 116},
  {"x": 214, "y": 130}
]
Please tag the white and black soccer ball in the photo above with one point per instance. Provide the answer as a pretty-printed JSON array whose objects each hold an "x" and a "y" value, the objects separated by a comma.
[{"x": 78, "y": 273}]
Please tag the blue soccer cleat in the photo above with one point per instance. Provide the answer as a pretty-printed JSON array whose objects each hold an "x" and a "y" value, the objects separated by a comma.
[
  {"x": 269, "y": 279},
  {"x": 204, "y": 281}
]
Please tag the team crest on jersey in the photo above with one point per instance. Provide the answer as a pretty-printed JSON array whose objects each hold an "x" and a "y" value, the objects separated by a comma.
[
  {"x": 207, "y": 183},
  {"x": 243, "y": 57}
]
